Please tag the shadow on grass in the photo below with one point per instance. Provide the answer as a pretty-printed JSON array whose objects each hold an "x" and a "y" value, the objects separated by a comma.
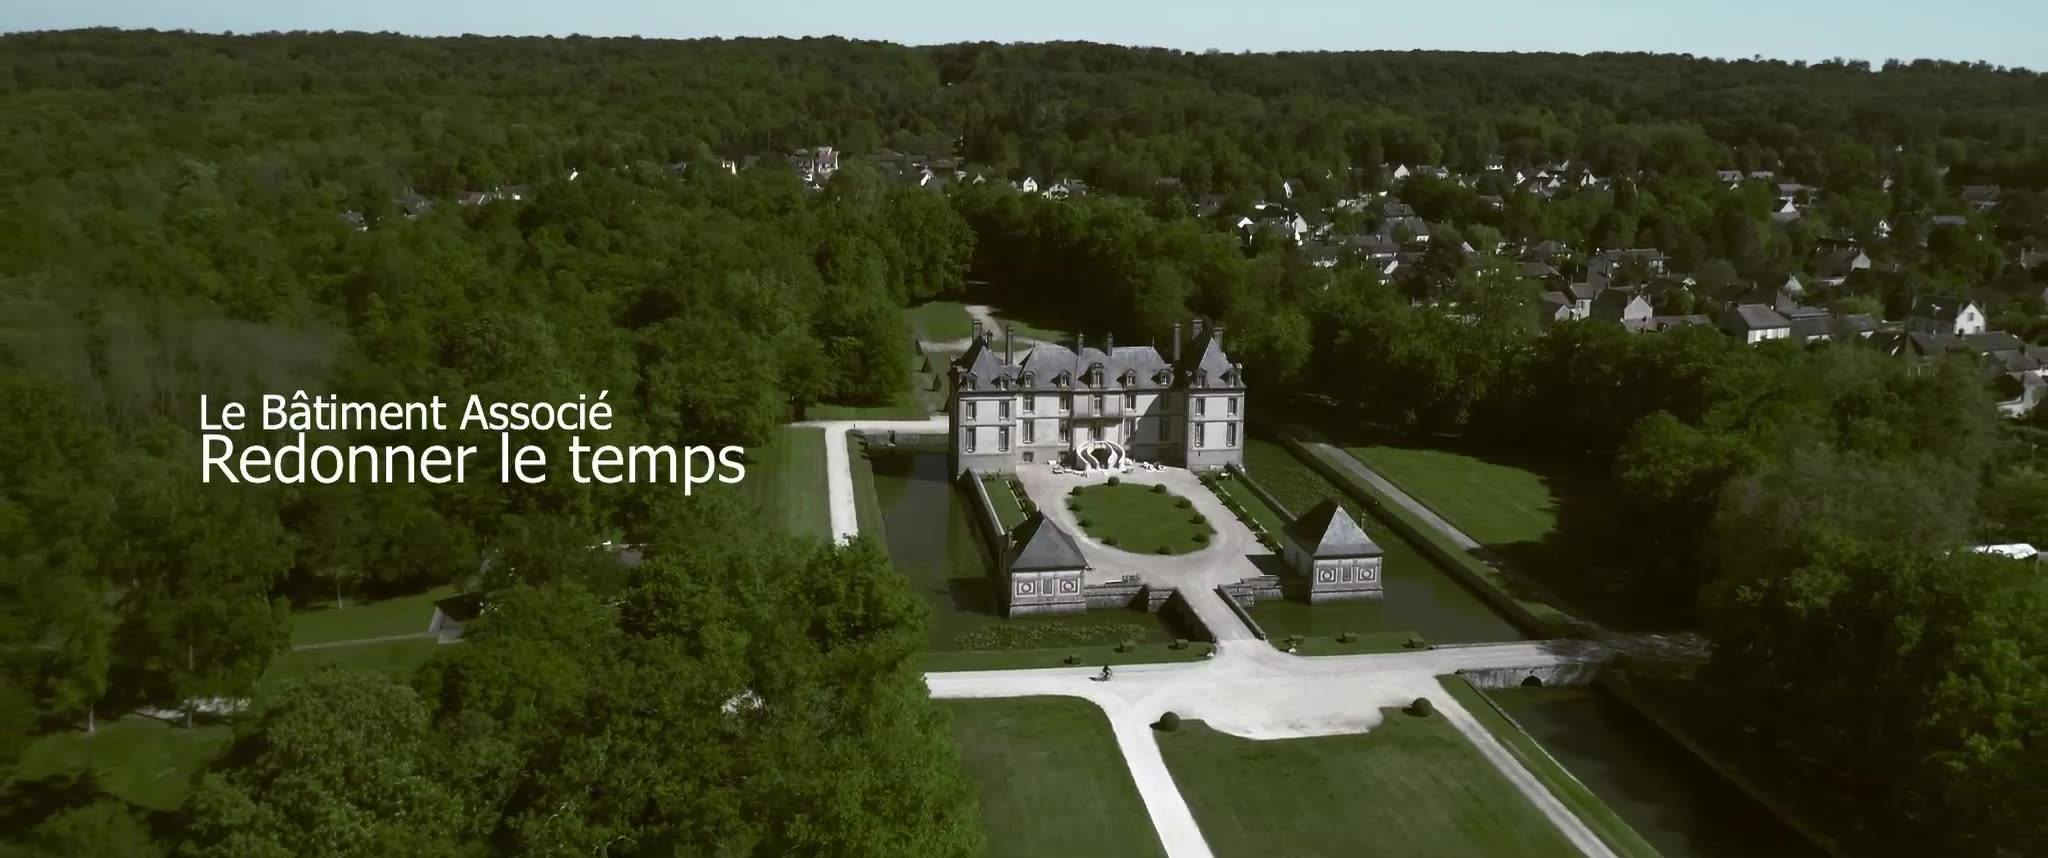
[
  {"x": 974, "y": 595},
  {"x": 1575, "y": 563}
]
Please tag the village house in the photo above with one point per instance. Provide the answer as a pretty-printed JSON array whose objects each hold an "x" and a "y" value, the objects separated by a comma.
[
  {"x": 1756, "y": 323},
  {"x": 1944, "y": 315},
  {"x": 1082, "y": 406}
]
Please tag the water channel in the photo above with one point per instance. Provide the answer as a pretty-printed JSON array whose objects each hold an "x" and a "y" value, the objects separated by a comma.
[{"x": 1679, "y": 804}]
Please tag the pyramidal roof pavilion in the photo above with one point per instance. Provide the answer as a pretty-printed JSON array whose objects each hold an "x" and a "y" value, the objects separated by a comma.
[{"x": 1327, "y": 531}]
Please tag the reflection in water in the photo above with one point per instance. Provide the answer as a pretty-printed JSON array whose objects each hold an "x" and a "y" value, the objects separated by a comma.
[
  {"x": 1673, "y": 800},
  {"x": 933, "y": 543}
]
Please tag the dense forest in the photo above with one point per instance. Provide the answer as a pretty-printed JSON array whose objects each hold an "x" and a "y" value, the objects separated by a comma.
[{"x": 191, "y": 214}]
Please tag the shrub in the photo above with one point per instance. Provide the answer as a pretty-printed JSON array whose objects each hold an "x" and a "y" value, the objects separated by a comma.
[
  {"x": 1202, "y": 538},
  {"x": 1421, "y": 708},
  {"x": 1114, "y": 481},
  {"x": 1164, "y": 549},
  {"x": 1169, "y": 722},
  {"x": 1295, "y": 640},
  {"x": 1416, "y": 642},
  {"x": 1347, "y": 637},
  {"x": 1159, "y": 488},
  {"x": 1028, "y": 507},
  {"x": 1180, "y": 643},
  {"x": 1082, "y": 521},
  {"x": 1196, "y": 519},
  {"x": 1107, "y": 540},
  {"x": 1073, "y": 659},
  {"x": 1184, "y": 503}
]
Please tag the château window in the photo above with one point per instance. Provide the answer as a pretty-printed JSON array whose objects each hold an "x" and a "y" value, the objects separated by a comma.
[
  {"x": 1098, "y": 403},
  {"x": 1003, "y": 439},
  {"x": 1233, "y": 406},
  {"x": 1066, "y": 403},
  {"x": 1130, "y": 429},
  {"x": 967, "y": 439},
  {"x": 1066, "y": 430},
  {"x": 1130, "y": 400},
  {"x": 1030, "y": 404},
  {"x": 1030, "y": 431},
  {"x": 1201, "y": 435},
  {"x": 1095, "y": 432},
  {"x": 973, "y": 410},
  {"x": 1003, "y": 410},
  {"x": 1229, "y": 435}
]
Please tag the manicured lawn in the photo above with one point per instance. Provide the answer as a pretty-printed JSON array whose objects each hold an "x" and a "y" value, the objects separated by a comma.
[
  {"x": 1493, "y": 503},
  {"x": 1421, "y": 598},
  {"x": 1612, "y": 829},
  {"x": 1410, "y": 787},
  {"x": 1257, "y": 513},
  {"x": 940, "y": 320},
  {"x": 939, "y": 549},
  {"x": 785, "y": 482},
  {"x": 404, "y": 615},
  {"x": 1136, "y": 518},
  {"x": 136, "y": 759},
  {"x": 1009, "y": 510},
  {"x": 1051, "y": 779},
  {"x": 1328, "y": 644},
  {"x": 1096, "y": 655},
  {"x": 395, "y": 659}
]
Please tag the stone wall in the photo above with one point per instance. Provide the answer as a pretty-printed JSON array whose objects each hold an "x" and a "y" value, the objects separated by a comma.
[
  {"x": 995, "y": 541},
  {"x": 1177, "y": 608},
  {"x": 1516, "y": 677},
  {"x": 1238, "y": 605},
  {"x": 1122, "y": 593}
]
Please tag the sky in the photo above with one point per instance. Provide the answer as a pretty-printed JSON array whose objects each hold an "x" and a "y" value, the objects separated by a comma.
[{"x": 2003, "y": 32}]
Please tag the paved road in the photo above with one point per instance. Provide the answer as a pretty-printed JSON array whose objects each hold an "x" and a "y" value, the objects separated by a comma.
[
  {"x": 1254, "y": 691},
  {"x": 1248, "y": 689},
  {"x": 1196, "y": 575},
  {"x": 839, "y": 465},
  {"x": 1350, "y": 464}
]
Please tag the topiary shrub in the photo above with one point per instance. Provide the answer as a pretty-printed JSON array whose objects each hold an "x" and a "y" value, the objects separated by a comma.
[
  {"x": 1159, "y": 488},
  {"x": 1196, "y": 519},
  {"x": 1073, "y": 659},
  {"x": 1202, "y": 538},
  {"x": 1107, "y": 540},
  {"x": 1169, "y": 722},
  {"x": 1116, "y": 481},
  {"x": 1184, "y": 503},
  {"x": 1180, "y": 643},
  {"x": 1416, "y": 642},
  {"x": 1347, "y": 637},
  {"x": 1165, "y": 549},
  {"x": 1082, "y": 521},
  {"x": 1421, "y": 708}
]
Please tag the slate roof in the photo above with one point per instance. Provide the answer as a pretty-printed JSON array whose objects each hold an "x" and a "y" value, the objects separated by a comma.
[
  {"x": 1757, "y": 317},
  {"x": 1328, "y": 531},
  {"x": 1041, "y": 545},
  {"x": 1940, "y": 308},
  {"x": 1046, "y": 365}
]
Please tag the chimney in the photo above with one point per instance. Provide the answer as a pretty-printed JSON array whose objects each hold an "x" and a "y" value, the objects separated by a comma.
[
  {"x": 1176, "y": 342},
  {"x": 1195, "y": 328},
  {"x": 1109, "y": 344},
  {"x": 1216, "y": 336},
  {"x": 977, "y": 332},
  {"x": 1009, "y": 345}
]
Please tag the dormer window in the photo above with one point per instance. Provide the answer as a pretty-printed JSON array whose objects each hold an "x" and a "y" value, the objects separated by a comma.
[
  {"x": 967, "y": 381},
  {"x": 1026, "y": 378}
]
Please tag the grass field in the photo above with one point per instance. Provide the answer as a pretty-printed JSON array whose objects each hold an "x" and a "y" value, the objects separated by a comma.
[
  {"x": 404, "y": 615},
  {"x": 1410, "y": 787},
  {"x": 395, "y": 659},
  {"x": 1259, "y": 513},
  {"x": 1421, "y": 597},
  {"x": 135, "y": 759},
  {"x": 1612, "y": 829},
  {"x": 1136, "y": 518},
  {"x": 932, "y": 541},
  {"x": 1009, "y": 510},
  {"x": 1495, "y": 504},
  {"x": 1051, "y": 779},
  {"x": 786, "y": 482},
  {"x": 940, "y": 320}
]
